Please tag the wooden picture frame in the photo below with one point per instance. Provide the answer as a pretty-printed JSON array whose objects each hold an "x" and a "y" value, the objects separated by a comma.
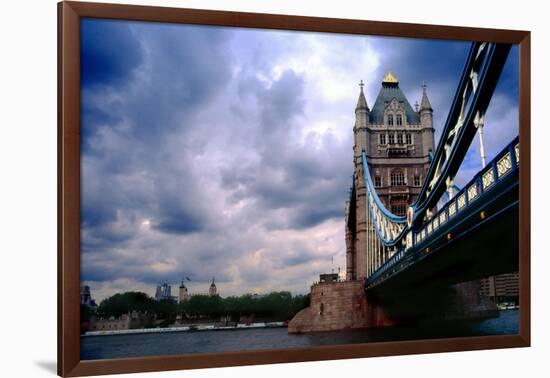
[{"x": 69, "y": 15}]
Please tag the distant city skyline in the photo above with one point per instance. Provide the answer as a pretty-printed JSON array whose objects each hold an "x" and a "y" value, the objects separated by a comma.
[{"x": 210, "y": 151}]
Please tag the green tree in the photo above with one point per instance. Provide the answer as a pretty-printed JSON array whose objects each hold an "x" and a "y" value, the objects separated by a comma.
[
  {"x": 166, "y": 309},
  {"x": 119, "y": 304},
  {"x": 205, "y": 305},
  {"x": 279, "y": 306}
]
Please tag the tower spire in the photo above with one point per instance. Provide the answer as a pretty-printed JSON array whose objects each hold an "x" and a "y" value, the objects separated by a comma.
[
  {"x": 361, "y": 101},
  {"x": 425, "y": 103}
]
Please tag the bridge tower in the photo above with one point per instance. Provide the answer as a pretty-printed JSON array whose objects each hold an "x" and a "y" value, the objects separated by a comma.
[{"x": 397, "y": 140}]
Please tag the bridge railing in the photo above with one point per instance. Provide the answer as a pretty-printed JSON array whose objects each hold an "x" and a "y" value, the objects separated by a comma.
[{"x": 481, "y": 185}]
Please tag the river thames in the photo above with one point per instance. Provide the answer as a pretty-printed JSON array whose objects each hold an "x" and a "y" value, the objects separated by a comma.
[{"x": 138, "y": 345}]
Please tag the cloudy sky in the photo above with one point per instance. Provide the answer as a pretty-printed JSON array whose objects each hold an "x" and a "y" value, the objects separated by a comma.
[{"x": 223, "y": 152}]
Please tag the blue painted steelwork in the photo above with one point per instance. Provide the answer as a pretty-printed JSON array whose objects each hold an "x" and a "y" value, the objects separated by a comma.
[
  {"x": 396, "y": 222},
  {"x": 454, "y": 143},
  {"x": 479, "y": 190}
]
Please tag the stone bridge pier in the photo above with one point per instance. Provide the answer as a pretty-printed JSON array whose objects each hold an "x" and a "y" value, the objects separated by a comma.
[{"x": 345, "y": 305}]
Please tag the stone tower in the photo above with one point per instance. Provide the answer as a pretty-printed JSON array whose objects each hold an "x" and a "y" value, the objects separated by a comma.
[
  {"x": 397, "y": 141},
  {"x": 183, "y": 293},
  {"x": 212, "y": 290}
]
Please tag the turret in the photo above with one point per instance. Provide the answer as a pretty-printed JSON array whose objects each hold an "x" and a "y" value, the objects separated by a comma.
[
  {"x": 212, "y": 290},
  {"x": 426, "y": 111},
  {"x": 361, "y": 121},
  {"x": 362, "y": 107},
  {"x": 426, "y": 121}
]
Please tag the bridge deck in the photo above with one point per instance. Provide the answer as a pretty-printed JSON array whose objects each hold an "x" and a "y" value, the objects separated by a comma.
[{"x": 479, "y": 239}]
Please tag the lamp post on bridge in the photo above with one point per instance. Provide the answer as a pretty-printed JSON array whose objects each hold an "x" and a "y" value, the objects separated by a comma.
[{"x": 478, "y": 123}]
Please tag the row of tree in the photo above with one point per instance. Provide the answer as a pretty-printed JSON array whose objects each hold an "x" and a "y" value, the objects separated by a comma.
[{"x": 275, "y": 306}]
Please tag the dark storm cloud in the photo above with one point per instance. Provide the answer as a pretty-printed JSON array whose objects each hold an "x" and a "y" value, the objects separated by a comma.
[
  {"x": 177, "y": 69},
  {"x": 177, "y": 213},
  {"x": 97, "y": 213},
  {"x": 509, "y": 79},
  {"x": 133, "y": 101},
  {"x": 120, "y": 267},
  {"x": 310, "y": 184},
  {"x": 303, "y": 179},
  {"x": 150, "y": 259},
  {"x": 110, "y": 56},
  {"x": 315, "y": 214},
  {"x": 282, "y": 102},
  {"x": 110, "y": 52},
  {"x": 418, "y": 60},
  {"x": 186, "y": 67}
]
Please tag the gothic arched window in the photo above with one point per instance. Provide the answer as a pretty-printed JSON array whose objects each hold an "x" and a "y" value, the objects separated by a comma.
[
  {"x": 399, "y": 120},
  {"x": 397, "y": 178},
  {"x": 390, "y": 119}
]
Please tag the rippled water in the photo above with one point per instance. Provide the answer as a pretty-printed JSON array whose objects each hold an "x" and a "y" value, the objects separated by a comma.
[{"x": 98, "y": 347}]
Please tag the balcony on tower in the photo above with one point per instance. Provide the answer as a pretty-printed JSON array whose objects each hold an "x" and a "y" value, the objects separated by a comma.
[{"x": 399, "y": 150}]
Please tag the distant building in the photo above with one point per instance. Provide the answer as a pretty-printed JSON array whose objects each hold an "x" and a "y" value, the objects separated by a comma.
[
  {"x": 130, "y": 320},
  {"x": 183, "y": 293},
  {"x": 501, "y": 288},
  {"x": 163, "y": 292},
  {"x": 212, "y": 290},
  {"x": 86, "y": 296},
  {"x": 328, "y": 277}
]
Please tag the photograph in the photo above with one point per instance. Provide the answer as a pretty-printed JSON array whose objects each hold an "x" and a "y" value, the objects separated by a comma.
[
  {"x": 247, "y": 189},
  {"x": 275, "y": 189}
]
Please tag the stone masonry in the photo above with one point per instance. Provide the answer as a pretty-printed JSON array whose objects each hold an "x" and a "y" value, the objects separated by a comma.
[{"x": 337, "y": 306}]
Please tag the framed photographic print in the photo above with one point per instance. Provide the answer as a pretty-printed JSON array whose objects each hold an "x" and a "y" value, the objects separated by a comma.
[{"x": 239, "y": 188}]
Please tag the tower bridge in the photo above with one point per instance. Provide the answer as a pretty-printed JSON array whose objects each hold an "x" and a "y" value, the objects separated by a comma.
[{"x": 406, "y": 259}]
